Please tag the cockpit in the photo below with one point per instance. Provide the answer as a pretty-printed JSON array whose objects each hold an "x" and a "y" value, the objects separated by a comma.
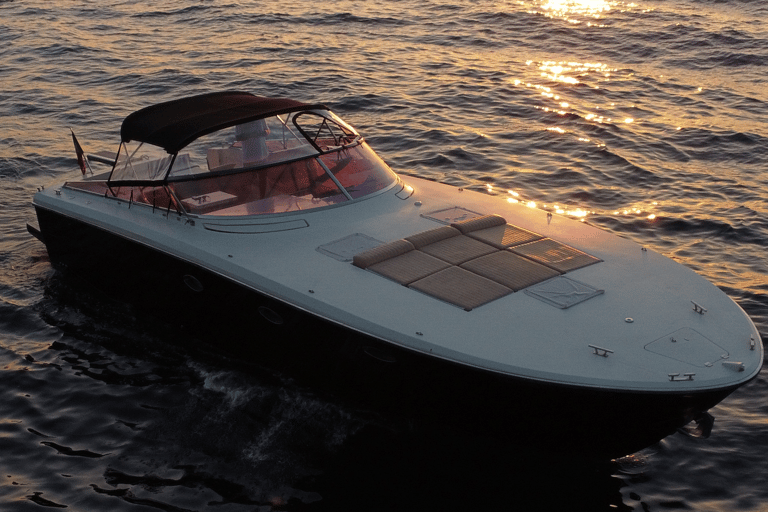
[{"x": 282, "y": 163}]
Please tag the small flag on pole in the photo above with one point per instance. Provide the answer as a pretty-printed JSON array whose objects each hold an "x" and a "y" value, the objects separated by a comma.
[{"x": 81, "y": 161}]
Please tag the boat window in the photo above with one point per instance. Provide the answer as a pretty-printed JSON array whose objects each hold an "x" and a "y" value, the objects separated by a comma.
[
  {"x": 154, "y": 196},
  {"x": 145, "y": 162},
  {"x": 359, "y": 170},
  {"x": 325, "y": 130},
  {"x": 278, "y": 164},
  {"x": 255, "y": 144},
  {"x": 291, "y": 186}
]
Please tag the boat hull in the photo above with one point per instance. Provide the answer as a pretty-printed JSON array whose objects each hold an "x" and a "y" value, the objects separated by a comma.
[{"x": 363, "y": 370}]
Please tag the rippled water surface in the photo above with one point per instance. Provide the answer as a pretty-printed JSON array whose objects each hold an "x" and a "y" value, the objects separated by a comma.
[{"x": 644, "y": 118}]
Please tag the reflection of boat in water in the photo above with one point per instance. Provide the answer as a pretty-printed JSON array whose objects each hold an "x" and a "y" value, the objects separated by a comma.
[{"x": 275, "y": 217}]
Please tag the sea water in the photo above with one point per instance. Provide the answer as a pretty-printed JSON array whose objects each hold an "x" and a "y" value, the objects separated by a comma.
[{"x": 647, "y": 119}]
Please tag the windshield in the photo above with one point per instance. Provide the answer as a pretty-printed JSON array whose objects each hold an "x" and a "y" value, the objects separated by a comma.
[{"x": 283, "y": 163}]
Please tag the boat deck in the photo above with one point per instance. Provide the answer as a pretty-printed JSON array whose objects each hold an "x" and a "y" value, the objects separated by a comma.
[{"x": 475, "y": 261}]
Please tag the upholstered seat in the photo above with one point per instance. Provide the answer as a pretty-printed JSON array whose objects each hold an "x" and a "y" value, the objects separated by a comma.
[
  {"x": 509, "y": 269},
  {"x": 409, "y": 267},
  {"x": 399, "y": 261},
  {"x": 472, "y": 262},
  {"x": 458, "y": 249},
  {"x": 554, "y": 254},
  {"x": 432, "y": 236},
  {"x": 461, "y": 287},
  {"x": 383, "y": 252},
  {"x": 504, "y": 236},
  {"x": 484, "y": 222}
]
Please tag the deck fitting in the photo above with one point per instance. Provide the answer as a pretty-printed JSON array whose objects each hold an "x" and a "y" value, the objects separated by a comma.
[
  {"x": 675, "y": 377},
  {"x": 699, "y": 308},
  {"x": 599, "y": 351}
]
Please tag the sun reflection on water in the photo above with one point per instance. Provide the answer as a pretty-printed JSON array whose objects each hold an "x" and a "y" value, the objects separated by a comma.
[
  {"x": 592, "y": 7},
  {"x": 555, "y": 87},
  {"x": 640, "y": 211},
  {"x": 576, "y": 12}
]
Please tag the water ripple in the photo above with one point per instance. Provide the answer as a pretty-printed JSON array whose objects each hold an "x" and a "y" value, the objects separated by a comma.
[{"x": 646, "y": 119}]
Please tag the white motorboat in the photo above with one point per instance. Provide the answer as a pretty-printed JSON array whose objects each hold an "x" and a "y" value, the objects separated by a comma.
[{"x": 272, "y": 224}]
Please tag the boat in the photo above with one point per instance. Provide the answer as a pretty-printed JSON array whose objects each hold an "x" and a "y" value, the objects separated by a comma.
[{"x": 272, "y": 226}]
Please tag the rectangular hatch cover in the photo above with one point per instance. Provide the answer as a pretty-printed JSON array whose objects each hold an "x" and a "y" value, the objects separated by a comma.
[{"x": 688, "y": 346}]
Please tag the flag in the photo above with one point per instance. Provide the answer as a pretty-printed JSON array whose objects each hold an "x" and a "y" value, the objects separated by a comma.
[{"x": 80, "y": 154}]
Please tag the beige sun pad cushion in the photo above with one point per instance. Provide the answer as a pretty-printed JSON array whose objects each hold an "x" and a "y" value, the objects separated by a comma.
[
  {"x": 555, "y": 255},
  {"x": 409, "y": 267},
  {"x": 505, "y": 236},
  {"x": 461, "y": 287},
  {"x": 458, "y": 249},
  {"x": 486, "y": 221},
  {"x": 511, "y": 270},
  {"x": 433, "y": 235},
  {"x": 383, "y": 252}
]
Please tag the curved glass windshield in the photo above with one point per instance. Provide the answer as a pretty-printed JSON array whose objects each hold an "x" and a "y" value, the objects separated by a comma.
[{"x": 284, "y": 163}]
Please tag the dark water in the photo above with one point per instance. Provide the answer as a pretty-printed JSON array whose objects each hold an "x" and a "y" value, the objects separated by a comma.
[{"x": 647, "y": 119}]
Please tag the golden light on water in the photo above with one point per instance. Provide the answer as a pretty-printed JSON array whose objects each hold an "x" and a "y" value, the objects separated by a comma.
[
  {"x": 574, "y": 11},
  {"x": 568, "y": 72},
  {"x": 641, "y": 211},
  {"x": 577, "y": 6}
]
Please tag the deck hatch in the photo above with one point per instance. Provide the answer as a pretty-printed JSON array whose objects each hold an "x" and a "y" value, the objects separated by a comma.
[
  {"x": 344, "y": 249},
  {"x": 688, "y": 346},
  {"x": 452, "y": 215},
  {"x": 563, "y": 292}
]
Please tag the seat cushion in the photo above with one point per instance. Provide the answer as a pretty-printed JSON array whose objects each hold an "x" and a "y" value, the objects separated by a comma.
[
  {"x": 383, "y": 252},
  {"x": 486, "y": 221},
  {"x": 458, "y": 249},
  {"x": 461, "y": 288},
  {"x": 505, "y": 235},
  {"x": 433, "y": 235},
  {"x": 509, "y": 269},
  {"x": 409, "y": 267},
  {"x": 554, "y": 254}
]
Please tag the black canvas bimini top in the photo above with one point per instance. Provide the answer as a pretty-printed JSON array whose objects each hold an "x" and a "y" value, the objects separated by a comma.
[{"x": 174, "y": 124}]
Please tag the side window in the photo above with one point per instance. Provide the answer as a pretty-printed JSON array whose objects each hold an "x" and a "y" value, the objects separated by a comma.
[{"x": 138, "y": 161}]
